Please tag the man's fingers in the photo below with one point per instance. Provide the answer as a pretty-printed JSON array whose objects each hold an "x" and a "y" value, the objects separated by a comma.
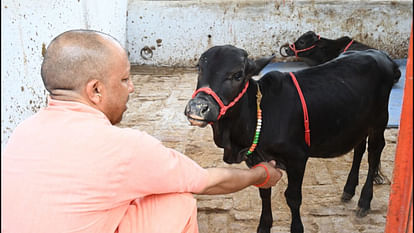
[
  {"x": 280, "y": 172},
  {"x": 273, "y": 163}
]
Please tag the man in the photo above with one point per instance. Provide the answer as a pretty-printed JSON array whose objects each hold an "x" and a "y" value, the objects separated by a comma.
[{"x": 69, "y": 169}]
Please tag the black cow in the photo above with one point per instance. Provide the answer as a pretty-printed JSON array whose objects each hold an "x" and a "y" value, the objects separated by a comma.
[
  {"x": 347, "y": 99},
  {"x": 315, "y": 50}
]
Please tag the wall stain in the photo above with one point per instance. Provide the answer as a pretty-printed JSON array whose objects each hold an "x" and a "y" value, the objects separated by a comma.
[
  {"x": 159, "y": 41},
  {"x": 43, "y": 49},
  {"x": 209, "y": 41}
]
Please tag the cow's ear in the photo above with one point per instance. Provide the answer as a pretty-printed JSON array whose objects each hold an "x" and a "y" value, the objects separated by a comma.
[{"x": 255, "y": 66}]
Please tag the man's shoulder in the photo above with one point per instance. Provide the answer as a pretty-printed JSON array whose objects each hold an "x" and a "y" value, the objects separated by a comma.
[{"x": 132, "y": 135}]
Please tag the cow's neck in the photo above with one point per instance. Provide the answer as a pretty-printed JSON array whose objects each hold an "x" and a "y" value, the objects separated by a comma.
[
  {"x": 342, "y": 43},
  {"x": 235, "y": 131}
]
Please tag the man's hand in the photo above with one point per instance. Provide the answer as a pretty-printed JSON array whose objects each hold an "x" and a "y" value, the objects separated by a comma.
[{"x": 271, "y": 174}]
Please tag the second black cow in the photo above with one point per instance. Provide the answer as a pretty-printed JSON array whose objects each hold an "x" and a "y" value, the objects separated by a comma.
[
  {"x": 315, "y": 50},
  {"x": 344, "y": 101}
]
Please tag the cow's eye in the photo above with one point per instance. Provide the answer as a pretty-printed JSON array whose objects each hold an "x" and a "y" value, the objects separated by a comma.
[
  {"x": 301, "y": 42},
  {"x": 237, "y": 76}
]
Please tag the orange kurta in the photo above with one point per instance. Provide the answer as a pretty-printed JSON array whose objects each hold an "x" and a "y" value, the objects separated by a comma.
[{"x": 67, "y": 169}]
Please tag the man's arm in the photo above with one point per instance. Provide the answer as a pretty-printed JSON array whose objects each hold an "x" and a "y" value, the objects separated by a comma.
[{"x": 230, "y": 180}]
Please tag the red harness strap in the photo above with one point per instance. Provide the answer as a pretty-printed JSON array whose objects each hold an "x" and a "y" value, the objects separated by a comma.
[
  {"x": 305, "y": 109},
  {"x": 347, "y": 47}
]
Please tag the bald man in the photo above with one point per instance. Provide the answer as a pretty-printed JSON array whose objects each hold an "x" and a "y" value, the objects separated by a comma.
[{"x": 69, "y": 169}]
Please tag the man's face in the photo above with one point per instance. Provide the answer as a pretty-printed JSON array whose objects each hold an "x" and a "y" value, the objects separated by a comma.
[{"x": 118, "y": 86}]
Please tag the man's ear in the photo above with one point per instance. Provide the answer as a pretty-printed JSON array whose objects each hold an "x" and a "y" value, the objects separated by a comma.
[
  {"x": 93, "y": 91},
  {"x": 255, "y": 66}
]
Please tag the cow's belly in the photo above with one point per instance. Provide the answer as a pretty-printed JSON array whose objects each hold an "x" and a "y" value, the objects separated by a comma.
[{"x": 335, "y": 147}]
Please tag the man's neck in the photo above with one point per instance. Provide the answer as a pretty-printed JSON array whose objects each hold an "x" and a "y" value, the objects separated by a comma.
[{"x": 69, "y": 95}]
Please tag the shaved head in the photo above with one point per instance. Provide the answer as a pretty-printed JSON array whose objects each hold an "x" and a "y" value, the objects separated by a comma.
[{"x": 75, "y": 57}]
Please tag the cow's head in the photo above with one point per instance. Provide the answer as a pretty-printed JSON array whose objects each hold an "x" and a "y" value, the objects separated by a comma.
[
  {"x": 301, "y": 46},
  {"x": 223, "y": 76}
]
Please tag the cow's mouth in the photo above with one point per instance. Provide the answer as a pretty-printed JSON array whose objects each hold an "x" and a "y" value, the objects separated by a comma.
[{"x": 197, "y": 121}]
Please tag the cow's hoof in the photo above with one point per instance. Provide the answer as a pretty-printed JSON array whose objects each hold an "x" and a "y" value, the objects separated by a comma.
[
  {"x": 346, "y": 197},
  {"x": 378, "y": 179},
  {"x": 362, "y": 212}
]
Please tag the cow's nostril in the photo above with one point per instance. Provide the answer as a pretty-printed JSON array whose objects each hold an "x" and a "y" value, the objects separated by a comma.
[{"x": 204, "y": 109}]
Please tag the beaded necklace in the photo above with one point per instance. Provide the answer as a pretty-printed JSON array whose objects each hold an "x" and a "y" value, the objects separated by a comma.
[{"x": 258, "y": 124}]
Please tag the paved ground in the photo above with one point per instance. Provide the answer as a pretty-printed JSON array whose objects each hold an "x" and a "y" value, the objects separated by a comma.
[{"x": 157, "y": 107}]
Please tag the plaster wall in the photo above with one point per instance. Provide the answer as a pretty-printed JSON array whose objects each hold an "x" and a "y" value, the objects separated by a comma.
[{"x": 175, "y": 33}]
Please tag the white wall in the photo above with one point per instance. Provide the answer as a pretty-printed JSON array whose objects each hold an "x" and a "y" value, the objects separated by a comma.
[
  {"x": 26, "y": 27},
  {"x": 179, "y": 31}
]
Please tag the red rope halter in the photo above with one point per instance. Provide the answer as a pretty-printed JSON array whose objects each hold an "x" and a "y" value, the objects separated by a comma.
[
  {"x": 293, "y": 47},
  {"x": 223, "y": 108}
]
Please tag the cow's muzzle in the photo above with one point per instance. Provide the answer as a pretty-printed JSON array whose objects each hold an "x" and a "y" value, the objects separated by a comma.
[
  {"x": 286, "y": 51},
  {"x": 200, "y": 112}
]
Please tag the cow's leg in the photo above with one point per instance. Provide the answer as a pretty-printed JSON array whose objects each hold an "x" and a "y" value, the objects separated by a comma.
[
  {"x": 295, "y": 170},
  {"x": 266, "y": 218},
  {"x": 376, "y": 143},
  {"x": 352, "y": 181}
]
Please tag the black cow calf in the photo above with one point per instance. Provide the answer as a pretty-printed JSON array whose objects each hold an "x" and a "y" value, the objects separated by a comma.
[
  {"x": 346, "y": 99},
  {"x": 315, "y": 50}
]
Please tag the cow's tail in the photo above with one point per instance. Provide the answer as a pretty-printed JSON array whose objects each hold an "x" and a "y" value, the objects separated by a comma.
[{"x": 396, "y": 72}]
